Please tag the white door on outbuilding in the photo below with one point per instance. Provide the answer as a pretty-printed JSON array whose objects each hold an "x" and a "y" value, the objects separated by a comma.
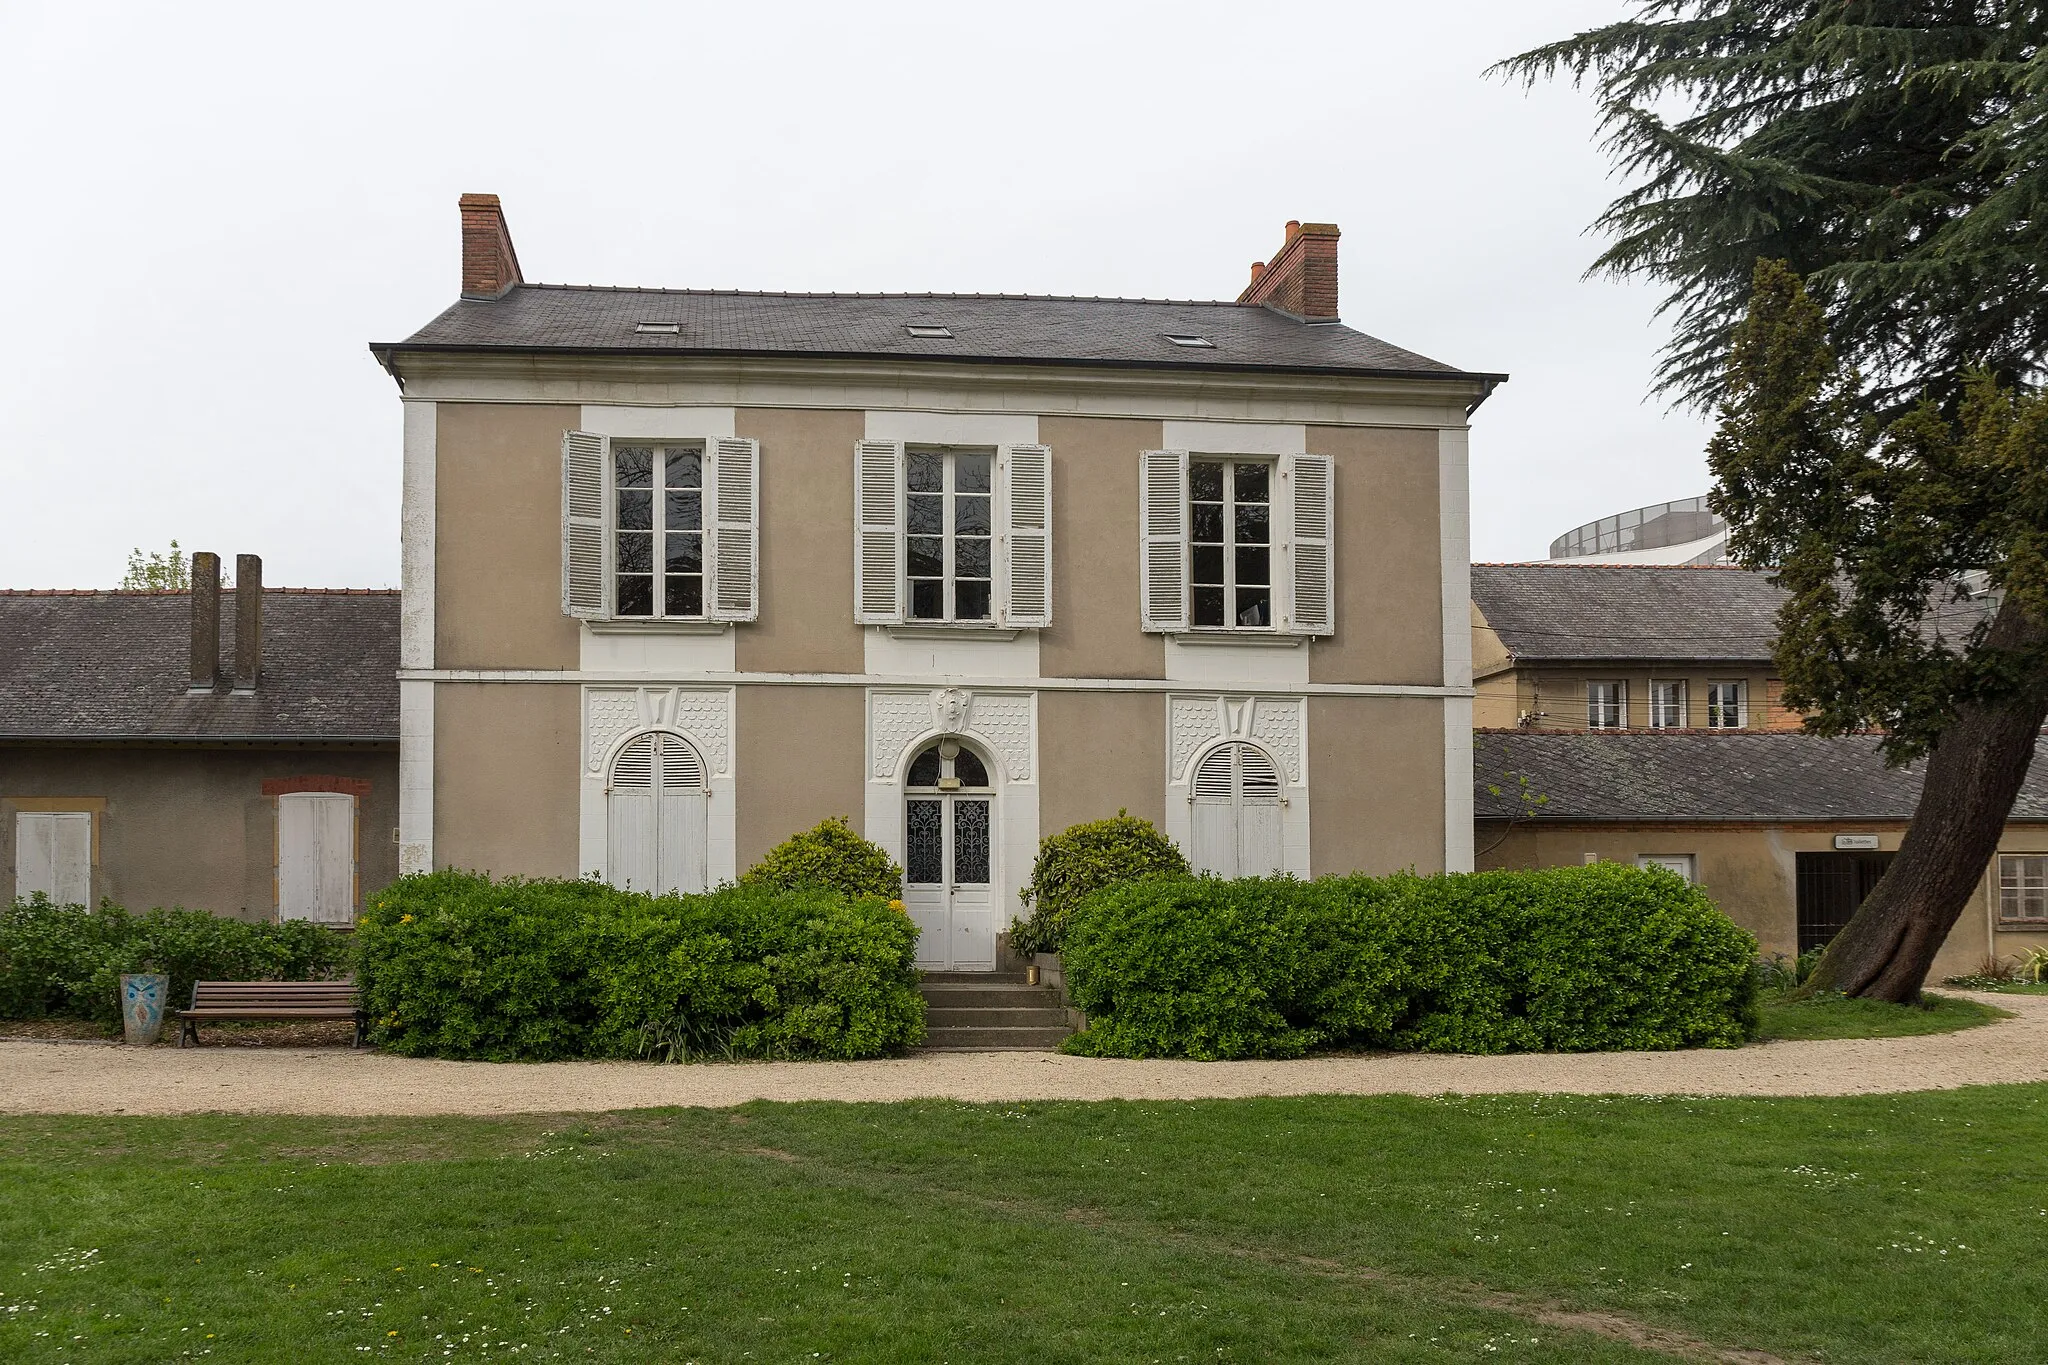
[
  {"x": 316, "y": 857},
  {"x": 53, "y": 855}
]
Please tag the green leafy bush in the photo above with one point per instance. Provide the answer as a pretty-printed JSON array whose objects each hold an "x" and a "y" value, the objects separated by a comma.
[
  {"x": 67, "y": 961},
  {"x": 829, "y": 855},
  {"x": 453, "y": 964},
  {"x": 1084, "y": 859},
  {"x": 1568, "y": 960}
]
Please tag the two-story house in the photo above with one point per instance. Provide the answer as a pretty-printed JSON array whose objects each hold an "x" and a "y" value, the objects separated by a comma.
[
  {"x": 687, "y": 571},
  {"x": 1573, "y": 646}
]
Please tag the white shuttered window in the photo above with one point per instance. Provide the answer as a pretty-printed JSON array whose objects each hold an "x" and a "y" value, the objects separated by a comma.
[
  {"x": 950, "y": 536},
  {"x": 316, "y": 857},
  {"x": 656, "y": 816},
  {"x": 1236, "y": 798},
  {"x": 53, "y": 856},
  {"x": 660, "y": 530},
  {"x": 1231, "y": 543}
]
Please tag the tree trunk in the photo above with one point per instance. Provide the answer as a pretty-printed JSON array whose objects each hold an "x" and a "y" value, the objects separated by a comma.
[{"x": 1885, "y": 950}]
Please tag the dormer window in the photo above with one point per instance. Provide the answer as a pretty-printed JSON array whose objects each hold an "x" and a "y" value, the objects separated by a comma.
[{"x": 929, "y": 332}]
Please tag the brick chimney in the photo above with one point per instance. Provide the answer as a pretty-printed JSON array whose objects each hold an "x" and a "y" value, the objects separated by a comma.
[
  {"x": 1301, "y": 280},
  {"x": 205, "y": 622},
  {"x": 489, "y": 265},
  {"x": 248, "y": 622}
]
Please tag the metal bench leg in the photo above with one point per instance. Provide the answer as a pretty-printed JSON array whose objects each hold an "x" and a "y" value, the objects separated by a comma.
[{"x": 189, "y": 1029}]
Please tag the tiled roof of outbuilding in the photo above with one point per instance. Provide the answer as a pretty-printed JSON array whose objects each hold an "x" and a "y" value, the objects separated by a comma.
[
  {"x": 114, "y": 665},
  {"x": 1698, "y": 775},
  {"x": 1559, "y": 612},
  {"x": 986, "y": 328}
]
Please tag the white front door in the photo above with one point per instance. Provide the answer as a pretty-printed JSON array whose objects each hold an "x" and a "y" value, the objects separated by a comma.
[
  {"x": 316, "y": 857},
  {"x": 946, "y": 882}
]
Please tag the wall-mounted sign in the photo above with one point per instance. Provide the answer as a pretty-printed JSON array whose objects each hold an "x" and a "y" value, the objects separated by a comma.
[{"x": 1846, "y": 841}]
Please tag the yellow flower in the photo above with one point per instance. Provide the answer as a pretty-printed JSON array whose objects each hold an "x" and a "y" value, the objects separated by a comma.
[
  {"x": 898, "y": 905},
  {"x": 405, "y": 919}
]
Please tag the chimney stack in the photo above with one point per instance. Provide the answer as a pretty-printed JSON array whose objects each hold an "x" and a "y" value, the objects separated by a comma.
[
  {"x": 1301, "y": 280},
  {"x": 205, "y": 622},
  {"x": 248, "y": 622},
  {"x": 489, "y": 265}
]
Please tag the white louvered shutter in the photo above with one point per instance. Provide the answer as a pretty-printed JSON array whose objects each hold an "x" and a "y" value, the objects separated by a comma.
[
  {"x": 1027, "y": 533},
  {"x": 1258, "y": 813},
  {"x": 1163, "y": 544},
  {"x": 1215, "y": 814},
  {"x": 680, "y": 819},
  {"x": 53, "y": 855},
  {"x": 585, "y": 584},
  {"x": 630, "y": 815},
  {"x": 878, "y": 532},
  {"x": 733, "y": 575},
  {"x": 1312, "y": 589}
]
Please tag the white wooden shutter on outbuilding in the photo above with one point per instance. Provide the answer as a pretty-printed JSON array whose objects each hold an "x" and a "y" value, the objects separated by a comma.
[
  {"x": 1310, "y": 481},
  {"x": 316, "y": 857},
  {"x": 1163, "y": 547},
  {"x": 878, "y": 532},
  {"x": 1027, "y": 534},
  {"x": 53, "y": 855},
  {"x": 733, "y": 573},
  {"x": 586, "y": 470}
]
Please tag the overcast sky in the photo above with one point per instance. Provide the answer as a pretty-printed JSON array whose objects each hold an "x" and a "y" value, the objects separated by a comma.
[{"x": 212, "y": 211}]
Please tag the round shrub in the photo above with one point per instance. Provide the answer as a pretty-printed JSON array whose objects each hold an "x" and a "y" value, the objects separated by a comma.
[
  {"x": 830, "y": 855},
  {"x": 1083, "y": 859}
]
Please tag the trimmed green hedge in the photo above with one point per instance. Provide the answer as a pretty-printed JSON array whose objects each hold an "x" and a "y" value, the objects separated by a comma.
[
  {"x": 1573, "y": 959},
  {"x": 829, "y": 855},
  {"x": 66, "y": 961},
  {"x": 453, "y": 964},
  {"x": 1081, "y": 860}
]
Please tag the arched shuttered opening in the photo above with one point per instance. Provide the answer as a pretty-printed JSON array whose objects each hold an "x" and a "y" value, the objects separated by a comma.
[
  {"x": 1236, "y": 812},
  {"x": 655, "y": 813}
]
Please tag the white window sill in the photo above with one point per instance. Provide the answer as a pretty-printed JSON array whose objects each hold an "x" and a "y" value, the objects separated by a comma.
[
  {"x": 656, "y": 625},
  {"x": 1264, "y": 639},
  {"x": 952, "y": 630}
]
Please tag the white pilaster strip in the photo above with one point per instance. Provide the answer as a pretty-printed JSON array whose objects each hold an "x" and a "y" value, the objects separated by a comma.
[
  {"x": 415, "y": 777},
  {"x": 416, "y": 540},
  {"x": 1454, "y": 516}
]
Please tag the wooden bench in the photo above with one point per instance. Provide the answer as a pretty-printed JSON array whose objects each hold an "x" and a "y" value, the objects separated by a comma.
[{"x": 270, "y": 1000}]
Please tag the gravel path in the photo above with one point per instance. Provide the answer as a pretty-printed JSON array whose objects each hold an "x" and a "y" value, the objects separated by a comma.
[{"x": 38, "y": 1077}]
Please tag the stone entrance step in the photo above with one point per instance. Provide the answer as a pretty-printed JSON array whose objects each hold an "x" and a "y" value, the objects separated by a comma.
[{"x": 991, "y": 1012}]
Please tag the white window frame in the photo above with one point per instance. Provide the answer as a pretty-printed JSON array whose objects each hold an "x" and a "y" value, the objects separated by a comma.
[
  {"x": 1230, "y": 464},
  {"x": 1020, "y": 535},
  {"x": 1660, "y": 708},
  {"x": 948, "y": 580},
  {"x": 1685, "y": 865},
  {"x": 729, "y": 495},
  {"x": 1717, "y": 708},
  {"x": 1595, "y": 710},
  {"x": 659, "y": 531},
  {"x": 2022, "y": 877},
  {"x": 1301, "y": 494}
]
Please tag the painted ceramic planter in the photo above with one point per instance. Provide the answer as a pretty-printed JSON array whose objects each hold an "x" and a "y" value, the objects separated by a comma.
[{"x": 143, "y": 996}]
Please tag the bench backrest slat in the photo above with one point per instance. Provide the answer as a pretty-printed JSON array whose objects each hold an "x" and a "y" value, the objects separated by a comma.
[{"x": 260, "y": 994}]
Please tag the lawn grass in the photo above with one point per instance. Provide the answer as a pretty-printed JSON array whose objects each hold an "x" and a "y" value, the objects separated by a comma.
[
  {"x": 1300, "y": 1230},
  {"x": 1836, "y": 1016}
]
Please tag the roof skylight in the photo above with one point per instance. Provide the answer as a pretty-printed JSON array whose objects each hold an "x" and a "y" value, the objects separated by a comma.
[
  {"x": 929, "y": 331},
  {"x": 1191, "y": 341},
  {"x": 660, "y": 329}
]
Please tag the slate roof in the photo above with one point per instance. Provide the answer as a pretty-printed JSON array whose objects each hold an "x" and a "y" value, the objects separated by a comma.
[
  {"x": 1561, "y": 612},
  {"x": 987, "y": 328},
  {"x": 1693, "y": 775},
  {"x": 113, "y": 665}
]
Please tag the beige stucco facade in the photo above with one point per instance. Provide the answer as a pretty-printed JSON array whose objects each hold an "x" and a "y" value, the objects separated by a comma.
[
  {"x": 1553, "y": 696},
  {"x": 1750, "y": 871},
  {"x": 513, "y": 711},
  {"x": 191, "y": 826}
]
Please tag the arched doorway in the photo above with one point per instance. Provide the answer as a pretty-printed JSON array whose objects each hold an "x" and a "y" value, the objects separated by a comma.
[
  {"x": 948, "y": 852},
  {"x": 1237, "y": 812},
  {"x": 655, "y": 809}
]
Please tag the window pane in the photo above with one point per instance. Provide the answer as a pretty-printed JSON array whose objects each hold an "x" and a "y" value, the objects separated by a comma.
[
  {"x": 685, "y": 469},
  {"x": 633, "y": 466},
  {"x": 926, "y": 473},
  {"x": 635, "y": 552},
  {"x": 926, "y": 514},
  {"x": 1252, "y": 566},
  {"x": 1205, "y": 522},
  {"x": 636, "y": 595},
  {"x": 970, "y": 516},
  {"x": 924, "y": 769},
  {"x": 685, "y": 595},
  {"x": 970, "y": 600},
  {"x": 969, "y": 770},
  {"x": 1207, "y": 604},
  {"x": 971, "y": 473},
  {"x": 1252, "y": 523},
  {"x": 1255, "y": 606},
  {"x": 971, "y": 558},
  {"x": 1205, "y": 482},
  {"x": 970, "y": 842},
  {"x": 924, "y": 852},
  {"x": 1207, "y": 564},
  {"x": 636, "y": 511},
  {"x": 685, "y": 511},
  {"x": 928, "y": 600},
  {"x": 684, "y": 553},
  {"x": 926, "y": 556},
  {"x": 1251, "y": 482}
]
